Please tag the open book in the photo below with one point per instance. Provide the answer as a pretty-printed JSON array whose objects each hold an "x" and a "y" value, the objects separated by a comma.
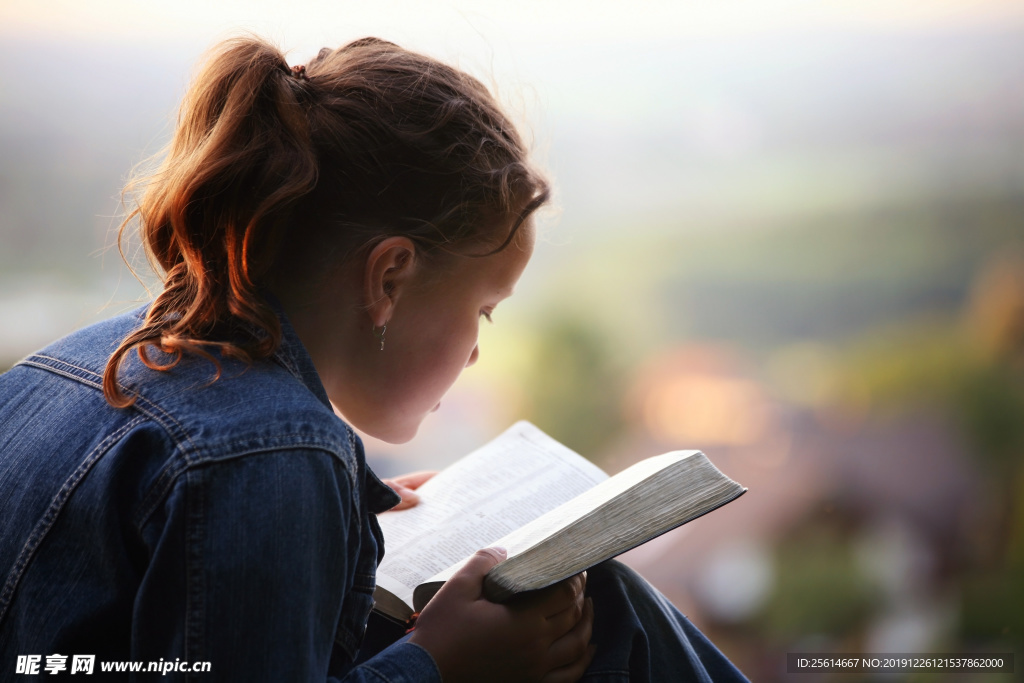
[{"x": 553, "y": 511}]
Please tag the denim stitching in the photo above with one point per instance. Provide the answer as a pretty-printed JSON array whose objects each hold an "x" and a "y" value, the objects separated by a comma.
[
  {"x": 377, "y": 674},
  {"x": 195, "y": 614},
  {"x": 347, "y": 641},
  {"x": 87, "y": 377},
  {"x": 178, "y": 434},
  {"x": 165, "y": 482},
  {"x": 364, "y": 582},
  {"x": 49, "y": 518},
  {"x": 152, "y": 500},
  {"x": 157, "y": 492}
]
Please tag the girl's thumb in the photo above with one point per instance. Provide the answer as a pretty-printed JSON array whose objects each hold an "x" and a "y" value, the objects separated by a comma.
[
  {"x": 484, "y": 560},
  {"x": 467, "y": 583},
  {"x": 481, "y": 562}
]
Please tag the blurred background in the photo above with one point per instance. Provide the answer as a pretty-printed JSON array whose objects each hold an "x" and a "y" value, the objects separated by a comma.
[{"x": 790, "y": 234}]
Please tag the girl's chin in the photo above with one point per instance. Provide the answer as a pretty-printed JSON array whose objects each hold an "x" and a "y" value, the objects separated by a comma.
[{"x": 398, "y": 436}]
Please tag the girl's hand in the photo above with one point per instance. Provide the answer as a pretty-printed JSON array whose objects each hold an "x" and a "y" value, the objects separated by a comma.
[
  {"x": 406, "y": 485},
  {"x": 539, "y": 636}
]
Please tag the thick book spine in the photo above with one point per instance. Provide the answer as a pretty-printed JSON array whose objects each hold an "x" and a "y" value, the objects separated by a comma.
[{"x": 501, "y": 583}]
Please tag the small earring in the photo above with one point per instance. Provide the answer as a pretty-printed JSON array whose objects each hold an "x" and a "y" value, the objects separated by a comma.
[{"x": 380, "y": 335}]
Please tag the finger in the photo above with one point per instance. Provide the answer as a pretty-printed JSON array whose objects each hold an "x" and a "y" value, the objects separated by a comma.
[
  {"x": 572, "y": 672},
  {"x": 568, "y": 619},
  {"x": 562, "y": 596},
  {"x": 469, "y": 580},
  {"x": 409, "y": 497},
  {"x": 573, "y": 650},
  {"x": 564, "y": 620},
  {"x": 546, "y": 602},
  {"x": 415, "y": 479}
]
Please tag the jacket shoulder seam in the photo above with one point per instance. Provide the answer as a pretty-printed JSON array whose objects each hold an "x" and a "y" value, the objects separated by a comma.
[
  {"x": 86, "y": 376},
  {"x": 169, "y": 476}
]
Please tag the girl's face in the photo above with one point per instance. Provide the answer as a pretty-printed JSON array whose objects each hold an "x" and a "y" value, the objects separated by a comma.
[{"x": 431, "y": 337}]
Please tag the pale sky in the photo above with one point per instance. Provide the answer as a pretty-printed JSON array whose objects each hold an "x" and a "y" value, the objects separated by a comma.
[
  {"x": 481, "y": 28},
  {"x": 502, "y": 41}
]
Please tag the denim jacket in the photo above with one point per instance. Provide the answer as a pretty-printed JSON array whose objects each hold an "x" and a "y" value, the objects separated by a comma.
[{"x": 229, "y": 521}]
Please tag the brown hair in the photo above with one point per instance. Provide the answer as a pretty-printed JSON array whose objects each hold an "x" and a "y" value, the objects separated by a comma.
[{"x": 270, "y": 166}]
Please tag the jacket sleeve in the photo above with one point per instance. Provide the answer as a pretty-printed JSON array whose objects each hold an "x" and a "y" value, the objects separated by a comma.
[{"x": 255, "y": 572}]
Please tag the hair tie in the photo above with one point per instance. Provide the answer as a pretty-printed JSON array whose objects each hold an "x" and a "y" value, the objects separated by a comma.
[{"x": 299, "y": 72}]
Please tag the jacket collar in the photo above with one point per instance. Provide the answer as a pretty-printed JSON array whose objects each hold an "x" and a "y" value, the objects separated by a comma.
[{"x": 292, "y": 355}]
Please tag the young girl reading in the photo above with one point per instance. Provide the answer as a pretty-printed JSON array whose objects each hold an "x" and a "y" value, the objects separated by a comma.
[{"x": 176, "y": 487}]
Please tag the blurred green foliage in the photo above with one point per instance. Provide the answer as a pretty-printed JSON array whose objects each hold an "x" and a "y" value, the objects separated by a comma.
[
  {"x": 990, "y": 405},
  {"x": 573, "y": 388},
  {"x": 820, "y": 590}
]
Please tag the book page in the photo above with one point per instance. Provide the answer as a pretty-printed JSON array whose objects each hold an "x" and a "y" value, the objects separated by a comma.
[{"x": 494, "y": 490}]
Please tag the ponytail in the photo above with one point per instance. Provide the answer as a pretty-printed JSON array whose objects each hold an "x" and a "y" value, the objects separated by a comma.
[{"x": 211, "y": 213}]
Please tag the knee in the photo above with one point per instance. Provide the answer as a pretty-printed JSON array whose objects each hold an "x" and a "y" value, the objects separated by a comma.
[{"x": 614, "y": 575}]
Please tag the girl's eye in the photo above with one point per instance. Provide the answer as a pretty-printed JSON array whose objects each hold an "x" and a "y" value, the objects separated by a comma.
[{"x": 487, "y": 315}]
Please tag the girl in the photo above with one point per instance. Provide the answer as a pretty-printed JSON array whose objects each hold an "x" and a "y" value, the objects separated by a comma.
[{"x": 175, "y": 484}]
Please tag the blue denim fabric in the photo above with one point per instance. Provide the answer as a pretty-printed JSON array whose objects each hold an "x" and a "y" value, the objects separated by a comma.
[
  {"x": 229, "y": 521},
  {"x": 640, "y": 636}
]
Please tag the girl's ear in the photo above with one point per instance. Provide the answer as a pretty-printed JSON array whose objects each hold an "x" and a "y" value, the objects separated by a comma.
[{"x": 389, "y": 267}]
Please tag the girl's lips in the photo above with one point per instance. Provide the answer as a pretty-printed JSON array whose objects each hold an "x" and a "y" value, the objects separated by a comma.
[{"x": 434, "y": 409}]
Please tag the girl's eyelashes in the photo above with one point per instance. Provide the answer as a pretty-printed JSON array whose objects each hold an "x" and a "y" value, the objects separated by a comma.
[{"x": 486, "y": 314}]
